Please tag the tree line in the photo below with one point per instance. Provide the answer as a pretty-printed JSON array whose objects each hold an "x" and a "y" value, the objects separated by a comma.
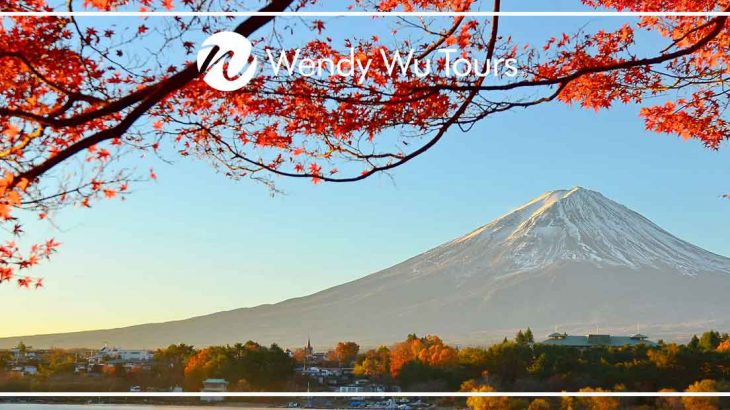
[{"x": 429, "y": 364}]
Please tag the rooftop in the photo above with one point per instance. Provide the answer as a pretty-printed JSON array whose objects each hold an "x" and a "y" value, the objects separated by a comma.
[
  {"x": 215, "y": 381},
  {"x": 591, "y": 340}
]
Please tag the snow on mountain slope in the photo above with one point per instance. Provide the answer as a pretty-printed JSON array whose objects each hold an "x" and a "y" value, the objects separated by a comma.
[{"x": 579, "y": 225}]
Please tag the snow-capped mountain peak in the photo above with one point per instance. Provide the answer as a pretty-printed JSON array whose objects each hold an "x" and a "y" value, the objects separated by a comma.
[{"x": 579, "y": 225}]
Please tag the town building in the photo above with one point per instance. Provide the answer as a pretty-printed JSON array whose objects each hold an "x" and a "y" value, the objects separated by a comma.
[
  {"x": 596, "y": 340},
  {"x": 308, "y": 349},
  {"x": 311, "y": 357},
  {"x": 21, "y": 371},
  {"x": 214, "y": 385},
  {"x": 114, "y": 353}
]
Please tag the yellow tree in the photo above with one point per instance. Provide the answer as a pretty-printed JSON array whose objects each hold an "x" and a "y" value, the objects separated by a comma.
[
  {"x": 484, "y": 402},
  {"x": 702, "y": 403},
  {"x": 346, "y": 352},
  {"x": 597, "y": 402},
  {"x": 668, "y": 403},
  {"x": 539, "y": 404}
]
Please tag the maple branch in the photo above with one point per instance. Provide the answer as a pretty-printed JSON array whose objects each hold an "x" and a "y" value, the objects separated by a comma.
[
  {"x": 29, "y": 116},
  {"x": 77, "y": 190},
  {"x": 687, "y": 34},
  {"x": 155, "y": 94},
  {"x": 43, "y": 78},
  {"x": 719, "y": 23},
  {"x": 444, "y": 36},
  {"x": 23, "y": 143},
  {"x": 454, "y": 119},
  {"x": 106, "y": 109},
  {"x": 247, "y": 27},
  {"x": 506, "y": 106},
  {"x": 143, "y": 100}
]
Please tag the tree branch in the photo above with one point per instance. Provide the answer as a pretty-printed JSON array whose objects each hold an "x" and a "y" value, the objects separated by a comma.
[{"x": 155, "y": 94}]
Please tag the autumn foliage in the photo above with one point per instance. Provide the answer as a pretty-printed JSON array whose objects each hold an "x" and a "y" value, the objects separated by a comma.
[
  {"x": 429, "y": 364},
  {"x": 344, "y": 353},
  {"x": 429, "y": 350},
  {"x": 249, "y": 366},
  {"x": 77, "y": 99},
  {"x": 422, "y": 364}
]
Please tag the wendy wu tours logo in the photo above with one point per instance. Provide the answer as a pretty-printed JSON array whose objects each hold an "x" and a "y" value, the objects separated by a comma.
[
  {"x": 229, "y": 64},
  {"x": 241, "y": 65}
]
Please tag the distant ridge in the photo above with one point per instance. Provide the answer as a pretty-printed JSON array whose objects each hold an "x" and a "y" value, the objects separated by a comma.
[{"x": 568, "y": 258}]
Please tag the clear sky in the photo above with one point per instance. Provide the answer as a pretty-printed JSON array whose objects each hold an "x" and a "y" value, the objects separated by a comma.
[{"x": 194, "y": 242}]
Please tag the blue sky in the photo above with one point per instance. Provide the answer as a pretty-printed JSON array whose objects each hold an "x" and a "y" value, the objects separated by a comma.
[{"x": 194, "y": 242}]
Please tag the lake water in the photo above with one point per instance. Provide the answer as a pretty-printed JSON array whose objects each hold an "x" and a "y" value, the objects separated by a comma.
[{"x": 34, "y": 406}]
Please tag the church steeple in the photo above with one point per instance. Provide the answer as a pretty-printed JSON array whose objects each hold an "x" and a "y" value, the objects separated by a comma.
[{"x": 308, "y": 350}]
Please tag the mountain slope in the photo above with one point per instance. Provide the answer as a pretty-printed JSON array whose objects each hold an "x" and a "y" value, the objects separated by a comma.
[{"x": 569, "y": 258}]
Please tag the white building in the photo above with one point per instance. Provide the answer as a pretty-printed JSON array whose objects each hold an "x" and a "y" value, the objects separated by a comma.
[
  {"x": 214, "y": 385},
  {"x": 25, "y": 354},
  {"x": 125, "y": 355},
  {"x": 24, "y": 370},
  {"x": 351, "y": 389}
]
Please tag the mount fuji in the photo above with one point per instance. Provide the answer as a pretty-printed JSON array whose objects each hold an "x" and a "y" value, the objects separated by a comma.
[{"x": 568, "y": 259}]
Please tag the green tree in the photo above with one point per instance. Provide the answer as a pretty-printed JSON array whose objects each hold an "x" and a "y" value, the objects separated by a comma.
[
  {"x": 418, "y": 376},
  {"x": 248, "y": 365},
  {"x": 5, "y": 358},
  {"x": 375, "y": 364},
  {"x": 710, "y": 340},
  {"x": 694, "y": 343},
  {"x": 22, "y": 349},
  {"x": 528, "y": 335},
  {"x": 509, "y": 361},
  {"x": 211, "y": 362},
  {"x": 169, "y": 364},
  {"x": 264, "y": 368},
  {"x": 520, "y": 338},
  {"x": 60, "y": 362},
  {"x": 525, "y": 337}
]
